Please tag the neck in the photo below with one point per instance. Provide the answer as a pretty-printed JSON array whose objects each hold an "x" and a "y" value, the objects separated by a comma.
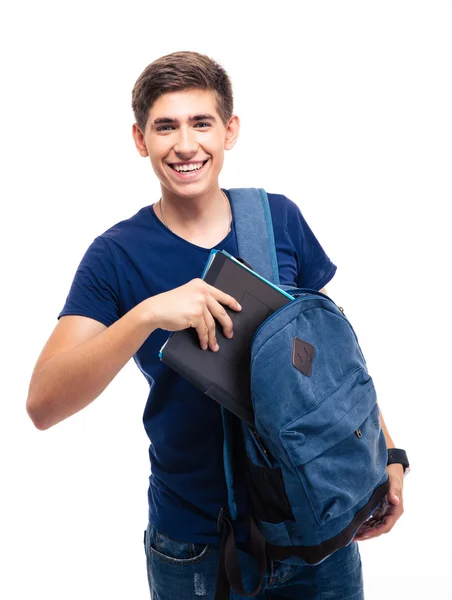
[{"x": 192, "y": 212}]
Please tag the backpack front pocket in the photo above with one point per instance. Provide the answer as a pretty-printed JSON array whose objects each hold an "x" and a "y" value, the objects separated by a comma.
[{"x": 338, "y": 450}]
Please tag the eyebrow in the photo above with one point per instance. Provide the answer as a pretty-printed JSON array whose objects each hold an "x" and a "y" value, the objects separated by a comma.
[{"x": 190, "y": 118}]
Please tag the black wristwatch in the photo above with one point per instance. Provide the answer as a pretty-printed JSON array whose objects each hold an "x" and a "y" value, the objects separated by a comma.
[{"x": 397, "y": 455}]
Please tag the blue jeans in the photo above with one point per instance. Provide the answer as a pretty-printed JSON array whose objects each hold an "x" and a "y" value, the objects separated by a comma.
[{"x": 188, "y": 571}]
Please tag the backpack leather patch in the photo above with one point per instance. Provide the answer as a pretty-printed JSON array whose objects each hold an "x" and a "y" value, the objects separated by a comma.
[{"x": 302, "y": 356}]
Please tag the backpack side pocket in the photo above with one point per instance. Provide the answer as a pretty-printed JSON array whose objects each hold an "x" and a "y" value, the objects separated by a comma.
[{"x": 267, "y": 493}]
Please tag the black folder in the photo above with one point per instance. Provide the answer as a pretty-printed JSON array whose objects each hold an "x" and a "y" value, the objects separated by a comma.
[{"x": 225, "y": 375}]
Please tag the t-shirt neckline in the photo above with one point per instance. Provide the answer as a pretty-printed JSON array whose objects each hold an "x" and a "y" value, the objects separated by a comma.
[{"x": 181, "y": 239}]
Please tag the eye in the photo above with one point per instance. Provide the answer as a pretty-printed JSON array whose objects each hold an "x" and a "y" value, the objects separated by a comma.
[{"x": 168, "y": 127}]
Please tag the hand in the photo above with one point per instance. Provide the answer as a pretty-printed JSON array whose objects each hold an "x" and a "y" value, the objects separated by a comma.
[
  {"x": 386, "y": 516},
  {"x": 195, "y": 304}
]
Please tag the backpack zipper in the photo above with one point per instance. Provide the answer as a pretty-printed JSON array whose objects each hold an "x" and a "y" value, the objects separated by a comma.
[
  {"x": 277, "y": 312},
  {"x": 298, "y": 297},
  {"x": 259, "y": 441}
]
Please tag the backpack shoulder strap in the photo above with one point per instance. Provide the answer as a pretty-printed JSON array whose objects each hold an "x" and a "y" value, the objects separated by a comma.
[
  {"x": 256, "y": 245},
  {"x": 254, "y": 231}
]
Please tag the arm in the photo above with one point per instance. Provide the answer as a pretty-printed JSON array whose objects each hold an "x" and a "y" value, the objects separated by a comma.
[
  {"x": 395, "y": 468},
  {"x": 79, "y": 360},
  {"x": 82, "y": 355},
  {"x": 389, "y": 442},
  {"x": 384, "y": 519}
]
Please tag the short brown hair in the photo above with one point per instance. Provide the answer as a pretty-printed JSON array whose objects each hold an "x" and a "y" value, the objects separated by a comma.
[{"x": 180, "y": 71}]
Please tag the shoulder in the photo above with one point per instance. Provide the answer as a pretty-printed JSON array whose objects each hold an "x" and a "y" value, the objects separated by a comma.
[
  {"x": 131, "y": 226},
  {"x": 124, "y": 235},
  {"x": 281, "y": 205},
  {"x": 286, "y": 215},
  {"x": 287, "y": 218}
]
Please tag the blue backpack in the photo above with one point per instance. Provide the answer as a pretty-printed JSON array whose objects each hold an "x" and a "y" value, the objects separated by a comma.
[{"x": 316, "y": 454}]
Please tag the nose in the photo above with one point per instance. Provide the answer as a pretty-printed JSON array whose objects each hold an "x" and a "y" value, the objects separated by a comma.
[{"x": 186, "y": 143}]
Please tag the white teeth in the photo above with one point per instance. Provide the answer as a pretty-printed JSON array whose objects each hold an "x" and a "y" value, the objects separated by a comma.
[{"x": 193, "y": 167}]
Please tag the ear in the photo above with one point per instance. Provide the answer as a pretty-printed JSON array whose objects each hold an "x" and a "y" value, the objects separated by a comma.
[
  {"x": 139, "y": 140},
  {"x": 232, "y": 132}
]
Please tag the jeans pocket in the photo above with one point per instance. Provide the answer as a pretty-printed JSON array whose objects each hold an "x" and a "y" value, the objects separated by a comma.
[{"x": 170, "y": 550}]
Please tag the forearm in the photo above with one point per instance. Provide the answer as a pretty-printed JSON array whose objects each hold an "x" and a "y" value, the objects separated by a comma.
[
  {"x": 395, "y": 468},
  {"x": 70, "y": 380},
  {"x": 389, "y": 442}
]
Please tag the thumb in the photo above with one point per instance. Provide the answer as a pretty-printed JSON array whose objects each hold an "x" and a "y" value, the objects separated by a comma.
[{"x": 395, "y": 496}]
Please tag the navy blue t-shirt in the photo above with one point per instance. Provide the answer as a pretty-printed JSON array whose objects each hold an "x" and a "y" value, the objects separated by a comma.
[{"x": 139, "y": 258}]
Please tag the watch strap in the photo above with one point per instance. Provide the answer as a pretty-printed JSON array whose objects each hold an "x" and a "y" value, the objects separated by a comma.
[{"x": 397, "y": 455}]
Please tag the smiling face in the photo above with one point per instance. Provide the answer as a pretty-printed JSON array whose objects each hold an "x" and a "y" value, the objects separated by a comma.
[{"x": 184, "y": 130}]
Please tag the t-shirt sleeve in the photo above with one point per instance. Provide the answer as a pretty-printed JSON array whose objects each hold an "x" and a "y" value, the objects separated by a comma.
[
  {"x": 315, "y": 268},
  {"x": 94, "y": 291}
]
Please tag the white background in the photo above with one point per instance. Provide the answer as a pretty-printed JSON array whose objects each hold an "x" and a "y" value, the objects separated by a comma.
[{"x": 346, "y": 109}]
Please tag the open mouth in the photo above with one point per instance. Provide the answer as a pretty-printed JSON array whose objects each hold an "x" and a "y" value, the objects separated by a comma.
[{"x": 191, "y": 171}]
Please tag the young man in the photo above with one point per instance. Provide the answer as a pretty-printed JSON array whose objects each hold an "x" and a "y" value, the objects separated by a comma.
[{"x": 140, "y": 280}]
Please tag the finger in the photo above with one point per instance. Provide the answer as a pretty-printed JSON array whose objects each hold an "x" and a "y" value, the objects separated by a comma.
[
  {"x": 389, "y": 521},
  {"x": 223, "y": 298},
  {"x": 218, "y": 311},
  {"x": 372, "y": 522},
  {"x": 378, "y": 515},
  {"x": 377, "y": 531},
  {"x": 394, "y": 495},
  {"x": 361, "y": 532},
  {"x": 389, "y": 518},
  {"x": 393, "y": 510},
  {"x": 212, "y": 334},
  {"x": 203, "y": 333},
  {"x": 367, "y": 533}
]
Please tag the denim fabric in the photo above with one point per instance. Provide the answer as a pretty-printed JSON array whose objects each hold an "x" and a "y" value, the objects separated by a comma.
[
  {"x": 187, "y": 571},
  {"x": 321, "y": 452},
  {"x": 254, "y": 231}
]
